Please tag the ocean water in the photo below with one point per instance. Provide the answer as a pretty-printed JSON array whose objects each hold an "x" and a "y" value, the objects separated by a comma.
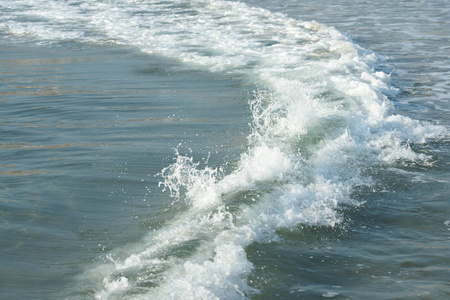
[{"x": 224, "y": 150}]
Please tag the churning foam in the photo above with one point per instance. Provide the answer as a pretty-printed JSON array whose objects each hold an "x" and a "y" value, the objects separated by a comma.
[{"x": 320, "y": 118}]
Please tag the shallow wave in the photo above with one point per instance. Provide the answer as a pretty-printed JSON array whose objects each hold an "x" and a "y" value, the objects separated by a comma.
[{"x": 321, "y": 118}]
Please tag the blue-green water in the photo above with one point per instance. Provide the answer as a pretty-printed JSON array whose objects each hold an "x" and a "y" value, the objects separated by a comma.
[{"x": 224, "y": 150}]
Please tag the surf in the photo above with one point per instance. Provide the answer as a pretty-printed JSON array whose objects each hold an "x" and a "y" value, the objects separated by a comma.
[{"x": 322, "y": 119}]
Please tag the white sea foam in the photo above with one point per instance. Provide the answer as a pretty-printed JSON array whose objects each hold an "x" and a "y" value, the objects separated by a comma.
[{"x": 321, "y": 116}]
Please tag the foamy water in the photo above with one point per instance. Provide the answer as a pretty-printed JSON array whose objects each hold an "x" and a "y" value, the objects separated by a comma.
[{"x": 322, "y": 119}]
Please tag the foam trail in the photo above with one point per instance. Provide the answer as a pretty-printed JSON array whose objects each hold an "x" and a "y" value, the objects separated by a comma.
[{"x": 320, "y": 119}]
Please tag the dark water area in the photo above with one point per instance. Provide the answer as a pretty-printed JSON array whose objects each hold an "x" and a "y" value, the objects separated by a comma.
[{"x": 84, "y": 132}]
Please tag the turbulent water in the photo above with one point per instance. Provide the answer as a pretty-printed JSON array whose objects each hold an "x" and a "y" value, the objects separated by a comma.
[{"x": 224, "y": 150}]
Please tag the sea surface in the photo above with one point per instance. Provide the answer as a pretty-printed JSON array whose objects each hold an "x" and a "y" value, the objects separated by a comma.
[{"x": 210, "y": 149}]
